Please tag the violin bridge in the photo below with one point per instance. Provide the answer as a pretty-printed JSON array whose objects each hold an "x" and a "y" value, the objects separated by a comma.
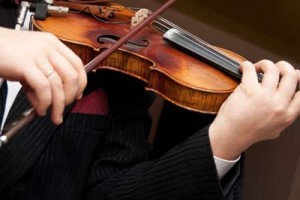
[{"x": 139, "y": 16}]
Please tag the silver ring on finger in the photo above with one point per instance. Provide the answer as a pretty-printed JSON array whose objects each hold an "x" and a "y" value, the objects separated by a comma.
[{"x": 49, "y": 73}]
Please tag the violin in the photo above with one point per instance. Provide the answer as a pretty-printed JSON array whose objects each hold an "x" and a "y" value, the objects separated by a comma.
[{"x": 173, "y": 63}]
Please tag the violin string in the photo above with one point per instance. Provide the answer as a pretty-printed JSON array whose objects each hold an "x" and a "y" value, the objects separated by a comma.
[
  {"x": 203, "y": 51},
  {"x": 172, "y": 25},
  {"x": 199, "y": 40},
  {"x": 168, "y": 25}
]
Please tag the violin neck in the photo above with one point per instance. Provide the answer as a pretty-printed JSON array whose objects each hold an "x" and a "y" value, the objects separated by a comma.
[{"x": 203, "y": 51}]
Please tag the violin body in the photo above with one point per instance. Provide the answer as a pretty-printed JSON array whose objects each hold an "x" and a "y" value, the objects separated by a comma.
[{"x": 176, "y": 75}]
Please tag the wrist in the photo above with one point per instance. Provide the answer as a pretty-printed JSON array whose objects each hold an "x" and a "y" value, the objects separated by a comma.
[{"x": 225, "y": 144}]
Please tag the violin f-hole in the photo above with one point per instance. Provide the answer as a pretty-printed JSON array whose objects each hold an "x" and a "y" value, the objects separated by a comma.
[{"x": 104, "y": 39}]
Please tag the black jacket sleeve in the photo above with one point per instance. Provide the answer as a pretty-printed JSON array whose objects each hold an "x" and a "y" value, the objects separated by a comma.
[
  {"x": 8, "y": 15},
  {"x": 124, "y": 170}
]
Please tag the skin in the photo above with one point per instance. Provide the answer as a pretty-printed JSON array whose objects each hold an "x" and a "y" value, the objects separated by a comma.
[
  {"x": 28, "y": 57},
  {"x": 256, "y": 111}
]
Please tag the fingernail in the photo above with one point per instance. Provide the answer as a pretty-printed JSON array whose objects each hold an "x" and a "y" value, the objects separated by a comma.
[
  {"x": 80, "y": 96},
  {"x": 59, "y": 121},
  {"x": 43, "y": 113}
]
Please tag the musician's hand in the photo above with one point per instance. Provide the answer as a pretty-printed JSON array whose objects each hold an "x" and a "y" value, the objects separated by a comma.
[
  {"x": 256, "y": 111},
  {"x": 50, "y": 72}
]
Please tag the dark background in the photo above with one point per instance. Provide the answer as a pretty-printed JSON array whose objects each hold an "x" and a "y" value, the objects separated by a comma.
[{"x": 271, "y": 24}]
